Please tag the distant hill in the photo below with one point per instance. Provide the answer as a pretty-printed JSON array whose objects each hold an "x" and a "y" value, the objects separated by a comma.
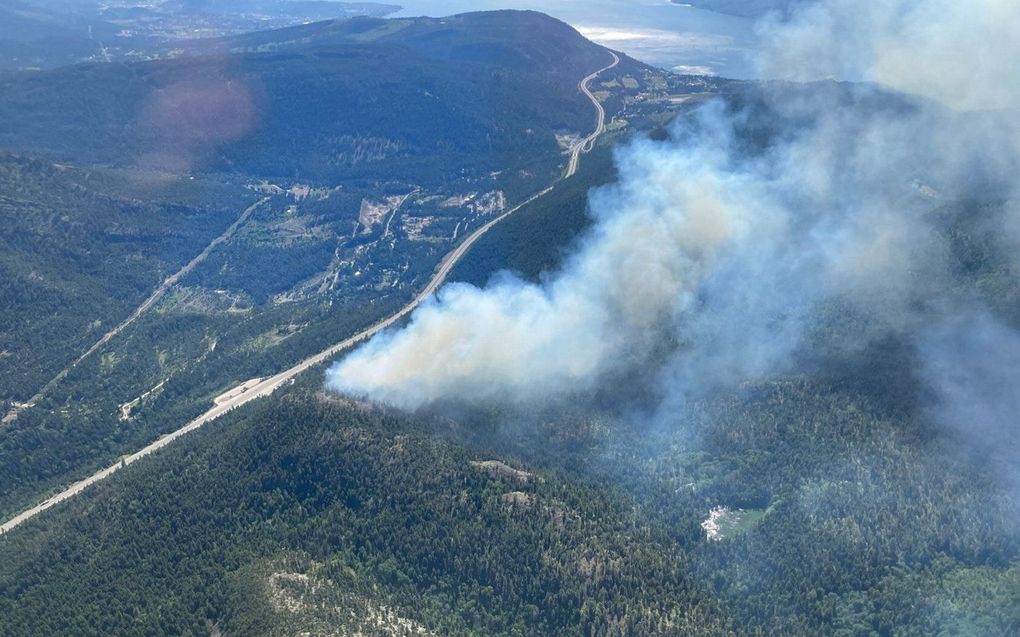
[
  {"x": 272, "y": 7},
  {"x": 52, "y": 33},
  {"x": 36, "y": 36},
  {"x": 526, "y": 41},
  {"x": 322, "y": 101}
]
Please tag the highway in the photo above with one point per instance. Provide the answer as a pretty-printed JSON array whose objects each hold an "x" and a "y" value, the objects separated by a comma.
[
  {"x": 259, "y": 387},
  {"x": 586, "y": 144}
]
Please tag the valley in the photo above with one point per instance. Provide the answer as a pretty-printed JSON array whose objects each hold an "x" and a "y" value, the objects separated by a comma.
[
  {"x": 385, "y": 325},
  {"x": 261, "y": 387},
  {"x": 386, "y": 256}
]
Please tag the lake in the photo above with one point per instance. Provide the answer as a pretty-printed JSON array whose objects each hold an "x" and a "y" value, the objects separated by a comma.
[{"x": 672, "y": 36}]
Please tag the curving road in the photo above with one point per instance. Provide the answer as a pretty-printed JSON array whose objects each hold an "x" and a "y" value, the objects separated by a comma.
[
  {"x": 259, "y": 387},
  {"x": 586, "y": 144}
]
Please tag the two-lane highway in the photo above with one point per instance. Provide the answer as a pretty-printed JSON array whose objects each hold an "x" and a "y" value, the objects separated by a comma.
[{"x": 586, "y": 144}]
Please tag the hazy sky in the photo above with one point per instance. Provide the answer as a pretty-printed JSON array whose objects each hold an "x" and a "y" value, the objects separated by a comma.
[{"x": 654, "y": 31}]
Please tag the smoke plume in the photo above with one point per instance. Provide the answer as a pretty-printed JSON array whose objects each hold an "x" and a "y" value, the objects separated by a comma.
[
  {"x": 752, "y": 221},
  {"x": 962, "y": 54}
]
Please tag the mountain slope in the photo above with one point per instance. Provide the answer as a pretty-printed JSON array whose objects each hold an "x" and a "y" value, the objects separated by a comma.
[
  {"x": 526, "y": 41},
  {"x": 821, "y": 502},
  {"x": 379, "y": 518},
  {"x": 374, "y": 161},
  {"x": 77, "y": 254},
  {"x": 31, "y": 35},
  {"x": 333, "y": 100}
]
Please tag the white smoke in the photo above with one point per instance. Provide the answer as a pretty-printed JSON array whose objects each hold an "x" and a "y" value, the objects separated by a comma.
[
  {"x": 654, "y": 237},
  {"x": 731, "y": 250},
  {"x": 971, "y": 362},
  {"x": 963, "y": 54}
]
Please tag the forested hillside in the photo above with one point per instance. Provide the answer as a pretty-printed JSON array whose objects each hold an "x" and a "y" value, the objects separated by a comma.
[
  {"x": 811, "y": 433},
  {"x": 78, "y": 252},
  {"x": 349, "y": 100},
  {"x": 824, "y": 501},
  {"x": 312, "y": 512},
  {"x": 317, "y": 514},
  {"x": 32, "y": 35},
  {"x": 423, "y": 142}
]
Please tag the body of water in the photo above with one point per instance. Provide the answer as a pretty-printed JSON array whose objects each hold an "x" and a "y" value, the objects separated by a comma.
[{"x": 658, "y": 32}]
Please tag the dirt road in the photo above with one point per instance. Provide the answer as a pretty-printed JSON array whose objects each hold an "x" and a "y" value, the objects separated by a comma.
[{"x": 163, "y": 288}]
